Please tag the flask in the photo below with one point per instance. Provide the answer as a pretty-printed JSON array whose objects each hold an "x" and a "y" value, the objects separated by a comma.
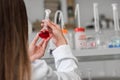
[{"x": 44, "y": 33}]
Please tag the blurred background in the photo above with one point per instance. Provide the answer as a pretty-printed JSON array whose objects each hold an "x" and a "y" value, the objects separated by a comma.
[
  {"x": 94, "y": 63},
  {"x": 36, "y": 9}
]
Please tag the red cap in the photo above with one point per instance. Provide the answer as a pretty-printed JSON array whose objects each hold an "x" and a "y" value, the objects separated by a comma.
[{"x": 79, "y": 29}]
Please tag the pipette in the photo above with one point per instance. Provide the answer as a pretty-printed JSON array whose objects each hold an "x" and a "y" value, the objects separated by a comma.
[{"x": 44, "y": 33}]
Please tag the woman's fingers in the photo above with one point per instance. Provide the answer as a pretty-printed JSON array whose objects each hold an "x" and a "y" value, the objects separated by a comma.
[
  {"x": 55, "y": 25},
  {"x": 52, "y": 26},
  {"x": 44, "y": 45},
  {"x": 44, "y": 42},
  {"x": 41, "y": 43},
  {"x": 35, "y": 39}
]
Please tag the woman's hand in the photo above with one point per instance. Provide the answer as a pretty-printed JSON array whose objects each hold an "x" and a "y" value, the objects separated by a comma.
[
  {"x": 37, "y": 51},
  {"x": 56, "y": 32}
]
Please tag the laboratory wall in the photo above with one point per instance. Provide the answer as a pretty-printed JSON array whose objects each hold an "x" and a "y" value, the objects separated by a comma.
[
  {"x": 104, "y": 7},
  {"x": 35, "y": 9}
]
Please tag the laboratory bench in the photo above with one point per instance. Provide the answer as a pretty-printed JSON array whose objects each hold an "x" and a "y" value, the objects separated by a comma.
[
  {"x": 92, "y": 54},
  {"x": 103, "y": 62}
]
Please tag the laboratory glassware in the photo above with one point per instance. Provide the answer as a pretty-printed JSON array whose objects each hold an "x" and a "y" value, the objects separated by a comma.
[{"x": 44, "y": 33}]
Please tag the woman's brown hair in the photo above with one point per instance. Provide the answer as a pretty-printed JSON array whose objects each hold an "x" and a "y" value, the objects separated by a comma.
[{"x": 14, "y": 61}]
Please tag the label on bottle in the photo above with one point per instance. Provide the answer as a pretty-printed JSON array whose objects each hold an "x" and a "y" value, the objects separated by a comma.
[{"x": 80, "y": 41}]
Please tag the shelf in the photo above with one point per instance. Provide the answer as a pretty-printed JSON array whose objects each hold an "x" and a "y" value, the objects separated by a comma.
[
  {"x": 96, "y": 52},
  {"x": 91, "y": 55},
  {"x": 91, "y": 52}
]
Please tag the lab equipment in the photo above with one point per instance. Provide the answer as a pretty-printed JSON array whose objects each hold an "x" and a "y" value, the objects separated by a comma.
[
  {"x": 80, "y": 36},
  {"x": 44, "y": 33},
  {"x": 115, "y": 39},
  {"x": 98, "y": 33}
]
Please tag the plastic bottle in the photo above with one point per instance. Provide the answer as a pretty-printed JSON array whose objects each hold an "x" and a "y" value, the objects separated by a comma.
[
  {"x": 79, "y": 36},
  {"x": 65, "y": 33}
]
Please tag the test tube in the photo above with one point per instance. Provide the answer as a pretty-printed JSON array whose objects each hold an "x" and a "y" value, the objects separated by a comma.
[{"x": 44, "y": 33}]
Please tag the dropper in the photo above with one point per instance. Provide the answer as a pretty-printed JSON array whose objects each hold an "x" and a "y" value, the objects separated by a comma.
[
  {"x": 96, "y": 17},
  {"x": 77, "y": 14},
  {"x": 115, "y": 16}
]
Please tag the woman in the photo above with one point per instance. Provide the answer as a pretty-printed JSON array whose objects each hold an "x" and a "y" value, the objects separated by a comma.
[
  {"x": 20, "y": 62},
  {"x": 14, "y": 60}
]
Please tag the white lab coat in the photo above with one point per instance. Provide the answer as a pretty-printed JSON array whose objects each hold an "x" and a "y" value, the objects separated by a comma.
[{"x": 65, "y": 63}]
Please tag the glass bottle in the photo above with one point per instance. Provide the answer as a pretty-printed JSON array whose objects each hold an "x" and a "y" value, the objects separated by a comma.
[
  {"x": 115, "y": 38},
  {"x": 98, "y": 33}
]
